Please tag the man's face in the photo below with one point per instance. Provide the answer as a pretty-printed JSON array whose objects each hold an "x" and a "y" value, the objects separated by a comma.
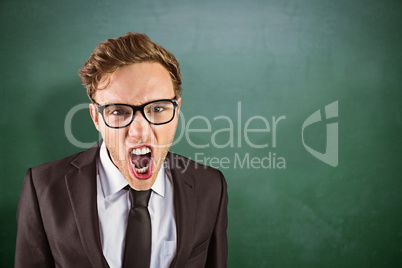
[{"x": 137, "y": 84}]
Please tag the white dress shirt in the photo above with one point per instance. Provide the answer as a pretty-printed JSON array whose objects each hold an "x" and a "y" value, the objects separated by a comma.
[{"x": 113, "y": 206}]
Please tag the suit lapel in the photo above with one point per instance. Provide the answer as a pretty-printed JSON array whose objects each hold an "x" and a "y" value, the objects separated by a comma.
[
  {"x": 82, "y": 190},
  {"x": 184, "y": 207}
]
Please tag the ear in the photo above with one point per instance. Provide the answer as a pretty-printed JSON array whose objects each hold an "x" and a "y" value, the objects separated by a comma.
[
  {"x": 179, "y": 105},
  {"x": 94, "y": 115}
]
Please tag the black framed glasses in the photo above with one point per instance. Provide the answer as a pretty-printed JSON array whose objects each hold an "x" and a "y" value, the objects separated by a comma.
[{"x": 157, "y": 112}]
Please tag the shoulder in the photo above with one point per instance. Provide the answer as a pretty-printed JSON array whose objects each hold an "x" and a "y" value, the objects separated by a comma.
[
  {"x": 60, "y": 164},
  {"x": 203, "y": 176},
  {"x": 60, "y": 167},
  {"x": 184, "y": 164}
]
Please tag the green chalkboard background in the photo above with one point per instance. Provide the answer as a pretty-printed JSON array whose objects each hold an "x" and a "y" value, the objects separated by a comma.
[{"x": 245, "y": 64}]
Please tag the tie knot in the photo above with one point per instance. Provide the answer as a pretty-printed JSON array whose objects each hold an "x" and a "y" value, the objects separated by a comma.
[{"x": 139, "y": 198}]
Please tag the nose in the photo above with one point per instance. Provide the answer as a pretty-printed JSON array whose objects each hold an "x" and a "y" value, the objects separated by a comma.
[{"x": 139, "y": 129}]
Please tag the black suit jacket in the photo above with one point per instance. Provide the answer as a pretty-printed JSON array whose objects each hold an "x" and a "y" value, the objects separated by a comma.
[{"x": 58, "y": 224}]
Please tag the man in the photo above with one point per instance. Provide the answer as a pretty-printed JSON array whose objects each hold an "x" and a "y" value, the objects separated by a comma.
[{"x": 82, "y": 211}]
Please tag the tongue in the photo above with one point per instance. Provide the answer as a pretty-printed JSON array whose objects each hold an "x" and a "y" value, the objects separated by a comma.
[{"x": 140, "y": 161}]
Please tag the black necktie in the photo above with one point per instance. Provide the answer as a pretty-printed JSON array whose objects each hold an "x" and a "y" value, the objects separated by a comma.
[{"x": 137, "y": 251}]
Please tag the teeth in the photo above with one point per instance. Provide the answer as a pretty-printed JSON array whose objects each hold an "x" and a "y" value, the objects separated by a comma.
[
  {"x": 142, "y": 151},
  {"x": 141, "y": 170}
]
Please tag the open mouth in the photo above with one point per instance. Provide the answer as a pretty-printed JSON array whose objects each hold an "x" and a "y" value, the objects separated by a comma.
[{"x": 141, "y": 162}]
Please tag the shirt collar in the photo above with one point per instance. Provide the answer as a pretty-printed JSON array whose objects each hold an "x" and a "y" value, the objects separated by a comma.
[
  {"x": 159, "y": 184},
  {"x": 112, "y": 179}
]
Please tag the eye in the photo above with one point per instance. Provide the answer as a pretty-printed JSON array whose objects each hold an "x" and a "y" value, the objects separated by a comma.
[
  {"x": 157, "y": 109},
  {"x": 116, "y": 110}
]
